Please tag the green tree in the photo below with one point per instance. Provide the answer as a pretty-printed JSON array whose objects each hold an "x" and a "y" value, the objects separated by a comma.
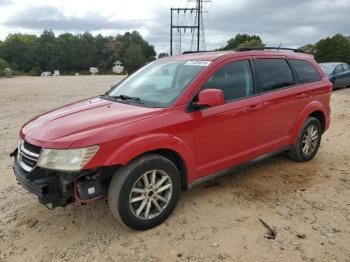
[
  {"x": 20, "y": 51},
  {"x": 310, "y": 49},
  {"x": 74, "y": 53},
  {"x": 336, "y": 48},
  {"x": 133, "y": 58},
  {"x": 50, "y": 54},
  {"x": 251, "y": 43},
  {"x": 243, "y": 40},
  {"x": 3, "y": 65}
]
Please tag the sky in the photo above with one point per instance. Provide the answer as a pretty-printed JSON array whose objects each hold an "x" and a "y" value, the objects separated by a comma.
[{"x": 291, "y": 23}]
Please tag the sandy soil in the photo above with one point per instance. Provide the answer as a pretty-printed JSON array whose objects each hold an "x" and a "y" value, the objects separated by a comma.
[{"x": 308, "y": 204}]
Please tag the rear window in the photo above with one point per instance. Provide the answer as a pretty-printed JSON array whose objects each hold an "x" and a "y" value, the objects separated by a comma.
[
  {"x": 346, "y": 67},
  {"x": 273, "y": 73},
  {"x": 305, "y": 71}
]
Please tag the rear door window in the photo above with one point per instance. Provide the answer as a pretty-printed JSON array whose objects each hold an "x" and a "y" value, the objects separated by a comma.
[
  {"x": 273, "y": 73},
  {"x": 346, "y": 67},
  {"x": 305, "y": 71},
  {"x": 339, "y": 69}
]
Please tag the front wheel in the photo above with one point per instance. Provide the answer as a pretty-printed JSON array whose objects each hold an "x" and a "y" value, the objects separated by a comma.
[
  {"x": 143, "y": 194},
  {"x": 308, "y": 142}
]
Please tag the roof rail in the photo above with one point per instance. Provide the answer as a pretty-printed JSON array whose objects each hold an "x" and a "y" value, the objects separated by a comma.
[
  {"x": 243, "y": 49},
  {"x": 193, "y": 52}
]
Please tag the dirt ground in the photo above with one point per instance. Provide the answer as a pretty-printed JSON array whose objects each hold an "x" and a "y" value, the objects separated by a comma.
[{"x": 308, "y": 204}]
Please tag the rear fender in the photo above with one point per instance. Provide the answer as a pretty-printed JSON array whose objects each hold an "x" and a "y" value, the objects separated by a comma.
[
  {"x": 138, "y": 146},
  {"x": 309, "y": 109}
]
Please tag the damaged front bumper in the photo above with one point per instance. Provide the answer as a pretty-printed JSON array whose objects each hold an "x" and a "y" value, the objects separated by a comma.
[{"x": 62, "y": 188}]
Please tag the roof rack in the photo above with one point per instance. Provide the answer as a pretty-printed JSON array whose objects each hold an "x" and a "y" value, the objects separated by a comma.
[
  {"x": 243, "y": 49},
  {"x": 193, "y": 52}
]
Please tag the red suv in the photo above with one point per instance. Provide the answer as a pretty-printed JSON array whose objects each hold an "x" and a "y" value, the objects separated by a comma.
[{"x": 173, "y": 124}]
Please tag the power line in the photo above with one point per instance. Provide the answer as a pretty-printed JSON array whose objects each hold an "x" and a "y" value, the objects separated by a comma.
[{"x": 193, "y": 23}]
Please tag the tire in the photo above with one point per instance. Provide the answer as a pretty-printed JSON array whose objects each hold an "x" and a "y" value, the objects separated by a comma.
[
  {"x": 299, "y": 152},
  {"x": 129, "y": 183}
]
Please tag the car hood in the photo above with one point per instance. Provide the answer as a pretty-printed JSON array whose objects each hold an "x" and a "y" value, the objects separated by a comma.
[{"x": 81, "y": 118}]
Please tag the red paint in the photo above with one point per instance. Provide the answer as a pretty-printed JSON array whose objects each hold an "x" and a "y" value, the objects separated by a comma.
[
  {"x": 208, "y": 140},
  {"x": 211, "y": 97}
]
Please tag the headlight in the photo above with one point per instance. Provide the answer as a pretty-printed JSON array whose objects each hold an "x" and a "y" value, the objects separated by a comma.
[{"x": 66, "y": 159}]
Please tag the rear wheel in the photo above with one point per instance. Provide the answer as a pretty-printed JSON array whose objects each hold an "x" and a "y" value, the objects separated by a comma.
[
  {"x": 144, "y": 193},
  {"x": 308, "y": 142}
]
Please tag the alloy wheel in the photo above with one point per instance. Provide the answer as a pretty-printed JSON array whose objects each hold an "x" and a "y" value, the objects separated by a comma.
[
  {"x": 310, "y": 140},
  {"x": 150, "y": 194}
]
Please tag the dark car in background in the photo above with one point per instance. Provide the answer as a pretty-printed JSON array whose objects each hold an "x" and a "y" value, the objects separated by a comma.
[{"x": 338, "y": 73}]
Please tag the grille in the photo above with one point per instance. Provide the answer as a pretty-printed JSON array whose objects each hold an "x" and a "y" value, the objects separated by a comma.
[
  {"x": 31, "y": 148},
  {"x": 28, "y": 155}
]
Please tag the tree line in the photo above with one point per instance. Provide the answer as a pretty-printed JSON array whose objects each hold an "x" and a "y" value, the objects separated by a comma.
[
  {"x": 331, "y": 49},
  {"x": 31, "y": 54},
  {"x": 71, "y": 54}
]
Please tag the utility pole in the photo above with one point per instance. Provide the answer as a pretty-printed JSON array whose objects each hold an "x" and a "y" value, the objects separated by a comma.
[
  {"x": 193, "y": 25},
  {"x": 179, "y": 27},
  {"x": 199, "y": 14},
  {"x": 171, "y": 31}
]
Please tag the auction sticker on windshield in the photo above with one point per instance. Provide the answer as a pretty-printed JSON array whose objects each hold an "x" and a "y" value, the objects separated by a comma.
[{"x": 198, "y": 63}]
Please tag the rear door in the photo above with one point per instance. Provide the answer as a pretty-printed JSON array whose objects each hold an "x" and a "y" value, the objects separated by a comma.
[
  {"x": 228, "y": 134},
  {"x": 345, "y": 74},
  {"x": 340, "y": 76},
  {"x": 283, "y": 100},
  {"x": 346, "y": 68}
]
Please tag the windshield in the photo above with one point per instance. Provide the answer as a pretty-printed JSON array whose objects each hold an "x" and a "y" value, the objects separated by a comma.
[
  {"x": 327, "y": 69},
  {"x": 158, "y": 84}
]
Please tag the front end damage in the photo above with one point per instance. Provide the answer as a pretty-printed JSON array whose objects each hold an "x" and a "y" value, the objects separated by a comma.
[{"x": 57, "y": 188}]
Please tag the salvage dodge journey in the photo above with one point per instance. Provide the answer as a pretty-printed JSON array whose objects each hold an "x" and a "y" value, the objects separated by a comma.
[{"x": 173, "y": 124}]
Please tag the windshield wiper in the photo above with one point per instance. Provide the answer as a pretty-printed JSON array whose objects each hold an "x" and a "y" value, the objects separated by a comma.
[{"x": 126, "y": 97}]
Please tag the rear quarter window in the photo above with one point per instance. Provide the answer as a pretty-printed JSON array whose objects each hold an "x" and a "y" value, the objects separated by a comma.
[{"x": 305, "y": 71}]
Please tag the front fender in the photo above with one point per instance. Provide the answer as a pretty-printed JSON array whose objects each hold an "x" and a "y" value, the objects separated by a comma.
[
  {"x": 310, "y": 108},
  {"x": 140, "y": 145}
]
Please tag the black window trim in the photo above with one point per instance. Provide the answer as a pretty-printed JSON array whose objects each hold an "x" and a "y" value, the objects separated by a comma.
[{"x": 299, "y": 82}]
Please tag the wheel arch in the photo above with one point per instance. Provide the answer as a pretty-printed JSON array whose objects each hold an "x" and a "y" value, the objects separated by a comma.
[
  {"x": 314, "y": 109},
  {"x": 320, "y": 116},
  {"x": 178, "y": 161},
  {"x": 165, "y": 145}
]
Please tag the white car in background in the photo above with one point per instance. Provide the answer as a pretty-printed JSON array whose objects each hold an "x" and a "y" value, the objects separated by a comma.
[{"x": 46, "y": 73}]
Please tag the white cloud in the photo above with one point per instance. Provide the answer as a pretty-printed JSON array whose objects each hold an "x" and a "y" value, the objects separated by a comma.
[{"x": 289, "y": 22}]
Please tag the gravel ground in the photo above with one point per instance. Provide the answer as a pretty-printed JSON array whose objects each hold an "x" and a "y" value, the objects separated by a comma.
[{"x": 307, "y": 204}]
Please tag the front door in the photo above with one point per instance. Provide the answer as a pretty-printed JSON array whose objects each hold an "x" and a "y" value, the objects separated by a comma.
[{"x": 228, "y": 134}]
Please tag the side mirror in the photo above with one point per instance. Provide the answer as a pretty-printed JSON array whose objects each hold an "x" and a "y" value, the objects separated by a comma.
[{"x": 210, "y": 97}]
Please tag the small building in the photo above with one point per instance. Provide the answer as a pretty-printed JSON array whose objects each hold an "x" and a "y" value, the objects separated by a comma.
[
  {"x": 118, "y": 67},
  {"x": 93, "y": 70},
  {"x": 8, "y": 72}
]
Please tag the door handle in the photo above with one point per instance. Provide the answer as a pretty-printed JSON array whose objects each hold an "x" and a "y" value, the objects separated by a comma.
[
  {"x": 302, "y": 95},
  {"x": 254, "y": 107}
]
